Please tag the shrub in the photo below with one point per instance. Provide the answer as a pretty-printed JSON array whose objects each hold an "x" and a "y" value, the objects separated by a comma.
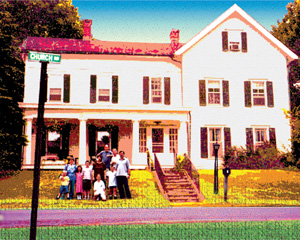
[{"x": 265, "y": 156}]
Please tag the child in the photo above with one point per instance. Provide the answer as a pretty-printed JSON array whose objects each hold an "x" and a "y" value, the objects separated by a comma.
[
  {"x": 112, "y": 181},
  {"x": 87, "y": 172},
  {"x": 79, "y": 177},
  {"x": 99, "y": 189},
  {"x": 64, "y": 185}
]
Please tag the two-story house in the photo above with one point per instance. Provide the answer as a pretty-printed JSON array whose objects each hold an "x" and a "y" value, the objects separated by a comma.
[{"x": 228, "y": 84}]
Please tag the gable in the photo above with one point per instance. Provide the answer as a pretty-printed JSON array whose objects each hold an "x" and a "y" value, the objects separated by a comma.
[{"x": 236, "y": 12}]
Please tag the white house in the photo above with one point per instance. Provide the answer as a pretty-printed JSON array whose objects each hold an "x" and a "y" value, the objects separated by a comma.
[{"x": 228, "y": 84}]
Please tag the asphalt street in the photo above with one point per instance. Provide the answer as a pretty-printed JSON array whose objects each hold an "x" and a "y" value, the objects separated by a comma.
[{"x": 21, "y": 218}]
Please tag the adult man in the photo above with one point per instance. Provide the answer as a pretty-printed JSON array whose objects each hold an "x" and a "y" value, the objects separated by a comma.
[
  {"x": 116, "y": 157},
  {"x": 123, "y": 174},
  {"x": 99, "y": 168},
  {"x": 71, "y": 169},
  {"x": 106, "y": 156}
]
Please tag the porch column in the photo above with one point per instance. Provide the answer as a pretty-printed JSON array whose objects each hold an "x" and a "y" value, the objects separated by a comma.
[
  {"x": 82, "y": 141},
  {"x": 28, "y": 133},
  {"x": 182, "y": 138},
  {"x": 135, "y": 140},
  {"x": 166, "y": 140}
]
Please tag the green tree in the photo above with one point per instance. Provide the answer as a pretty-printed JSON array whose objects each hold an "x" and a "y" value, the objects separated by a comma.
[{"x": 18, "y": 20}]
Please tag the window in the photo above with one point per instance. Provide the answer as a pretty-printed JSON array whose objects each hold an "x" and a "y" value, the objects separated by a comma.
[
  {"x": 258, "y": 90},
  {"x": 55, "y": 94},
  {"x": 157, "y": 140},
  {"x": 53, "y": 142},
  {"x": 214, "y": 93},
  {"x": 104, "y": 95},
  {"x": 160, "y": 90},
  {"x": 156, "y": 93},
  {"x": 215, "y": 136},
  {"x": 234, "y": 40},
  {"x": 260, "y": 136},
  {"x": 173, "y": 139},
  {"x": 142, "y": 140}
]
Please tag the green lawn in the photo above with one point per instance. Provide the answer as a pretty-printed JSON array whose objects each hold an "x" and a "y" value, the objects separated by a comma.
[
  {"x": 246, "y": 188},
  {"x": 210, "y": 230}
]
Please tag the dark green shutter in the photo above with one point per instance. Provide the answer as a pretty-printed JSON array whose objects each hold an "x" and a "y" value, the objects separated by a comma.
[
  {"x": 270, "y": 95},
  {"x": 145, "y": 90},
  {"x": 244, "y": 42},
  {"x": 225, "y": 93},
  {"x": 227, "y": 138},
  {"x": 66, "y": 88},
  {"x": 249, "y": 138},
  {"x": 202, "y": 93},
  {"x": 204, "y": 142},
  {"x": 247, "y": 88},
  {"x": 93, "y": 87},
  {"x": 115, "y": 89},
  {"x": 92, "y": 140},
  {"x": 167, "y": 91},
  {"x": 225, "y": 41},
  {"x": 272, "y": 135}
]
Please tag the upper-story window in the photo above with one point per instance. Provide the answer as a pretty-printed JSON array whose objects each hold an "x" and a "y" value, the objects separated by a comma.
[
  {"x": 234, "y": 41},
  {"x": 214, "y": 92},
  {"x": 104, "y": 89},
  {"x": 57, "y": 92},
  {"x": 160, "y": 91},
  {"x": 258, "y": 93}
]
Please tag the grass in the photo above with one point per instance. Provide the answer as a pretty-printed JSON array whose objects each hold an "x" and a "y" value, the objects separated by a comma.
[
  {"x": 246, "y": 188},
  {"x": 210, "y": 230},
  {"x": 16, "y": 193}
]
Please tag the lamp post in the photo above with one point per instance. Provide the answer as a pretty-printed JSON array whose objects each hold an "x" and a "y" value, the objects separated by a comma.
[{"x": 216, "y": 183}]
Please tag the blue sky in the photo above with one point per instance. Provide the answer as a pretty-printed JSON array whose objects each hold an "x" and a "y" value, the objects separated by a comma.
[{"x": 152, "y": 21}]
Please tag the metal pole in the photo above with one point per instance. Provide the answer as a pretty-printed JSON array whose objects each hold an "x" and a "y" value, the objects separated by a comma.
[
  {"x": 38, "y": 148},
  {"x": 225, "y": 187},
  {"x": 216, "y": 183}
]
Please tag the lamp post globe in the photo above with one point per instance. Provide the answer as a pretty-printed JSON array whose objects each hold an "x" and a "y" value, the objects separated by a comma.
[{"x": 216, "y": 178}]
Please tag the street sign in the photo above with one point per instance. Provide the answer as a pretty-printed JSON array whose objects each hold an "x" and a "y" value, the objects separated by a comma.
[{"x": 44, "y": 57}]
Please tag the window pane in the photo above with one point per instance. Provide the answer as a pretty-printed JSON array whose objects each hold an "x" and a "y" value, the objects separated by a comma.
[
  {"x": 55, "y": 94},
  {"x": 104, "y": 95},
  {"x": 156, "y": 92},
  {"x": 142, "y": 140},
  {"x": 173, "y": 140}
]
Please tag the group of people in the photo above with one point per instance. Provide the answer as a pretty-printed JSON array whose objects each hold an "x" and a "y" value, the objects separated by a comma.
[{"x": 110, "y": 169}]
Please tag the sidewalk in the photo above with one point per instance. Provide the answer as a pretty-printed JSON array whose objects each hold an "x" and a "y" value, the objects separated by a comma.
[{"x": 21, "y": 218}]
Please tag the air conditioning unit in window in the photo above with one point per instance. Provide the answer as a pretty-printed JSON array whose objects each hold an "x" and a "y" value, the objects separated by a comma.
[{"x": 234, "y": 46}]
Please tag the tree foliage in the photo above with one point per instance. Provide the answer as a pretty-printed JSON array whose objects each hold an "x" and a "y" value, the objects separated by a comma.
[{"x": 18, "y": 20}]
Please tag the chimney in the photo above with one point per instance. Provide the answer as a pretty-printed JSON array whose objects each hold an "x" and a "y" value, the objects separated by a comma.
[
  {"x": 87, "y": 35},
  {"x": 174, "y": 37}
]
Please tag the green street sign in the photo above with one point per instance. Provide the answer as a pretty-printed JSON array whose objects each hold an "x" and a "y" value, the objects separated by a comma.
[{"x": 44, "y": 57}]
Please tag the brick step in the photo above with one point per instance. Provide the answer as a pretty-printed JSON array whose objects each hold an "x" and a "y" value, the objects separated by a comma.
[
  {"x": 184, "y": 201},
  {"x": 176, "y": 181},
  {"x": 181, "y": 191},
  {"x": 178, "y": 198}
]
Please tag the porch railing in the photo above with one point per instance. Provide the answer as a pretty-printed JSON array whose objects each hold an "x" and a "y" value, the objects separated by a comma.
[
  {"x": 192, "y": 172},
  {"x": 159, "y": 171}
]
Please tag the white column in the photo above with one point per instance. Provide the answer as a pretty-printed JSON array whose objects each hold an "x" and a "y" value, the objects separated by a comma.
[
  {"x": 182, "y": 138},
  {"x": 27, "y": 149},
  {"x": 135, "y": 141},
  {"x": 166, "y": 140},
  {"x": 82, "y": 141}
]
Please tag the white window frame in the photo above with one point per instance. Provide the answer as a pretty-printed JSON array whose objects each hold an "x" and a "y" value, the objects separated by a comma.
[
  {"x": 173, "y": 139},
  {"x": 253, "y": 81},
  {"x": 104, "y": 82},
  {"x": 142, "y": 139},
  {"x": 207, "y": 92},
  {"x": 260, "y": 128},
  {"x": 219, "y": 141},
  {"x": 55, "y": 81},
  {"x": 55, "y": 89},
  {"x": 153, "y": 90},
  {"x": 234, "y": 38}
]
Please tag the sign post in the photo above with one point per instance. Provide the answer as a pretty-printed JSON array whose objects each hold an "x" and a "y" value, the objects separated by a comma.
[{"x": 44, "y": 59}]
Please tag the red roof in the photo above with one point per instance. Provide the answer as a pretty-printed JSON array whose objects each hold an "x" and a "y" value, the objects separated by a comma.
[{"x": 63, "y": 45}]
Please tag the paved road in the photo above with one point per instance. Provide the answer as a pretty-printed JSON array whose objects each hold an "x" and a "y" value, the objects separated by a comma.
[{"x": 21, "y": 218}]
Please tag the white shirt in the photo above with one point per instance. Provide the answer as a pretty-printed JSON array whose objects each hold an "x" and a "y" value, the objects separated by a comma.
[
  {"x": 99, "y": 187},
  {"x": 112, "y": 180},
  {"x": 115, "y": 159},
  {"x": 87, "y": 172},
  {"x": 122, "y": 167}
]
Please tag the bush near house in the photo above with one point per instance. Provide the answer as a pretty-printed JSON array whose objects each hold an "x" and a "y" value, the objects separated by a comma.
[{"x": 266, "y": 156}]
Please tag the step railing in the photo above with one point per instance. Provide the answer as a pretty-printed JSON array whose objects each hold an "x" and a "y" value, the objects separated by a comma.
[
  {"x": 192, "y": 172},
  {"x": 160, "y": 177}
]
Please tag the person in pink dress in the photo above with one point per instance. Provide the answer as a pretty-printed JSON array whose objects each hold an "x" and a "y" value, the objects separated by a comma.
[{"x": 79, "y": 177}]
